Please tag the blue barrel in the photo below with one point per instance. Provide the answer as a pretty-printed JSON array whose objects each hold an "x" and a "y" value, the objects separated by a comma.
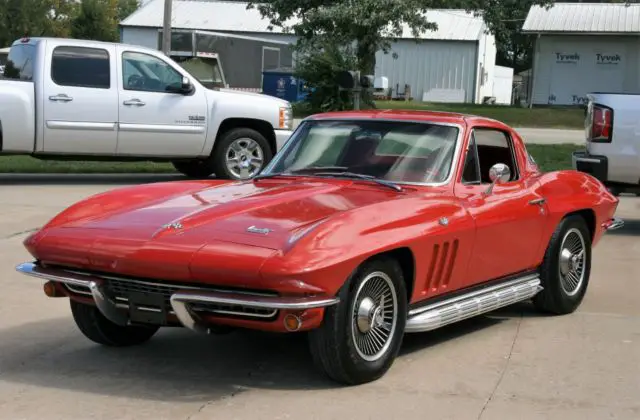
[{"x": 281, "y": 83}]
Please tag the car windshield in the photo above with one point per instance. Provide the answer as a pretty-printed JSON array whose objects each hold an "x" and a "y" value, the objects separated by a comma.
[{"x": 395, "y": 151}]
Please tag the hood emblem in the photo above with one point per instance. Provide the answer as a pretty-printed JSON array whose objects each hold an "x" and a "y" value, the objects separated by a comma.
[
  {"x": 443, "y": 221},
  {"x": 262, "y": 231},
  {"x": 172, "y": 226}
]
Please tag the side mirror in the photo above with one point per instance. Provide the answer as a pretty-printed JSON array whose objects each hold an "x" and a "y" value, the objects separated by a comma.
[
  {"x": 184, "y": 88},
  {"x": 498, "y": 174}
]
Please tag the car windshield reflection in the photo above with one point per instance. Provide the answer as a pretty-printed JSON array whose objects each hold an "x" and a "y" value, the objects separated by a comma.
[{"x": 393, "y": 151}]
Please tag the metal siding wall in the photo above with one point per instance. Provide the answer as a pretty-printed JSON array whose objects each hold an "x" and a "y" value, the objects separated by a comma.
[
  {"x": 488, "y": 59},
  {"x": 566, "y": 82},
  {"x": 429, "y": 65},
  {"x": 144, "y": 37}
]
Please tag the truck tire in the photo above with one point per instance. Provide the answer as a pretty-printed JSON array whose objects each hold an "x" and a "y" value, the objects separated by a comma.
[
  {"x": 100, "y": 330},
  {"x": 250, "y": 149},
  {"x": 241, "y": 153}
]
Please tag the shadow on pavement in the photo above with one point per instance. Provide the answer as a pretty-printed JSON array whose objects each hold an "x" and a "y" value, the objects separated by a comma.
[
  {"x": 87, "y": 179},
  {"x": 178, "y": 365}
]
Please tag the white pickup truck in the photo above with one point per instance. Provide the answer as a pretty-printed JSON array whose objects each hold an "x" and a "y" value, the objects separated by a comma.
[
  {"x": 88, "y": 100},
  {"x": 612, "y": 154}
]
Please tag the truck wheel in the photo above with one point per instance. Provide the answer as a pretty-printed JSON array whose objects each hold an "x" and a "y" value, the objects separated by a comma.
[
  {"x": 566, "y": 268},
  {"x": 240, "y": 154},
  {"x": 361, "y": 336},
  {"x": 100, "y": 330}
]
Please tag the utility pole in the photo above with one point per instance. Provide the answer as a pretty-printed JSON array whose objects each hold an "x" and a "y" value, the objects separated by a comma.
[{"x": 166, "y": 28}]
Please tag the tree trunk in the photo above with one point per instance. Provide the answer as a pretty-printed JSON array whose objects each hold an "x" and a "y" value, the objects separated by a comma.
[{"x": 366, "y": 55}]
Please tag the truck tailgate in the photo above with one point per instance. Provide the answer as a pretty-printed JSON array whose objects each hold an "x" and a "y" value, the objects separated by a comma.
[{"x": 17, "y": 116}]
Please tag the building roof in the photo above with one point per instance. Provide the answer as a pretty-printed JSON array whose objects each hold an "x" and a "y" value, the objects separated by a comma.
[
  {"x": 233, "y": 16},
  {"x": 613, "y": 18},
  {"x": 453, "y": 25}
]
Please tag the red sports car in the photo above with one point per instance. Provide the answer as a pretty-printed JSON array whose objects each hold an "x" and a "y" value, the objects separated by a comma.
[{"x": 365, "y": 226}]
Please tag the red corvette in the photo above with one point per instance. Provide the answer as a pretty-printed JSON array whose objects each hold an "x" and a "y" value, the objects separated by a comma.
[{"x": 365, "y": 226}]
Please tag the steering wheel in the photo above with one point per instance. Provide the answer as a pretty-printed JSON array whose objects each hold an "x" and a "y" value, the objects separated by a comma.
[{"x": 135, "y": 81}]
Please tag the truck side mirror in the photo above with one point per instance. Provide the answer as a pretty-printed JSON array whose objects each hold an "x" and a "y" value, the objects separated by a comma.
[{"x": 185, "y": 87}]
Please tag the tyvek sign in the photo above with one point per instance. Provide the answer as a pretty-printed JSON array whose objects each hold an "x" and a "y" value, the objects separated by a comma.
[{"x": 608, "y": 58}]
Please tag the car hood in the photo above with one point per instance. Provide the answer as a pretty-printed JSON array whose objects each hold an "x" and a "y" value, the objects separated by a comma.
[
  {"x": 264, "y": 213},
  {"x": 255, "y": 96}
]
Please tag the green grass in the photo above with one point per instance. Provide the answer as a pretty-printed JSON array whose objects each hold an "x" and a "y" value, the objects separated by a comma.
[
  {"x": 542, "y": 117},
  {"x": 552, "y": 157},
  {"x": 26, "y": 164},
  {"x": 548, "y": 158}
]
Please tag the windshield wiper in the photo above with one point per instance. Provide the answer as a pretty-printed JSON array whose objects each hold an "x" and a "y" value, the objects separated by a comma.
[
  {"x": 347, "y": 174},
  {"x": 308, "y": 169}
]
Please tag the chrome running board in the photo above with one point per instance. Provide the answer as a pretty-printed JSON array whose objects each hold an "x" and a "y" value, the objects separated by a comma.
[{"x": 449, "y": 311}]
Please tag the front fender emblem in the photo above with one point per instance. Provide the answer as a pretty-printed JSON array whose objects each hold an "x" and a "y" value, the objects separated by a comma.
[
  {"x": 172, "y": 226},
  {"x": 262, "y": 231},
  {"x": 443, "y": 221}
]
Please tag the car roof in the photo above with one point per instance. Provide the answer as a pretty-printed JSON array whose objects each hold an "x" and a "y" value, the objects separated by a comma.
[{"x": 410, "y": 115}]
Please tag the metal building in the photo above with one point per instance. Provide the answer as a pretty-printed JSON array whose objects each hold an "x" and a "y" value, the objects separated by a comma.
[
  {"x": 455, "y": 63},
  {"x": 582, "y": 48}
]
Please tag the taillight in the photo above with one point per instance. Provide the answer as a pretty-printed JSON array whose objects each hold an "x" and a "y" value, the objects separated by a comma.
[{"x": 601, "y": 124}]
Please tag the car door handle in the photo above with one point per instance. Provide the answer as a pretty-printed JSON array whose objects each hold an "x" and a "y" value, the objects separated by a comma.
[
  {"x": 60, "y": 98},
  {"x": 537, "y": 201},
  {"x": 134, "y": 102}
]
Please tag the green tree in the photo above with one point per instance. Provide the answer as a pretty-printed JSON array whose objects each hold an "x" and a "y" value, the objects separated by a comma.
[
  {"x": 92, "y": 22},
  {"x": 98, "y": 19},
  {"x": 35, "y": 18},
  {"x": 370, "y": 25}
]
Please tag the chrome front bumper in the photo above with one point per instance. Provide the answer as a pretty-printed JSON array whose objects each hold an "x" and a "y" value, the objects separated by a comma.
[
  {"x": 186, "y": 302},
  {"x": 613, "y": 224}
]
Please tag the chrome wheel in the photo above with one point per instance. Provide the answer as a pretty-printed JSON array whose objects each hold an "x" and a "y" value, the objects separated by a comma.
[
  {"x": 572, "y": 264},
  {"x": 374, "y": 316},
  {"x": 244, "y": 158}
]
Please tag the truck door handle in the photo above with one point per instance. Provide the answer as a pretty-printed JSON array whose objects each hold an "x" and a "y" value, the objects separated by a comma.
[
  {"x": 60, "y": 98},
  {"x": 537, "y": 201},
  {"x": 134, "y": 102}
]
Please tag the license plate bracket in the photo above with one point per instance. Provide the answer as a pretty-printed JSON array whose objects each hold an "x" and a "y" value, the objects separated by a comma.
[{"x": 147, "y": 308}]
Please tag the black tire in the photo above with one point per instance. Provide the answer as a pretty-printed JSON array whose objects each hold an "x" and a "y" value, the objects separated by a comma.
[
  {"x": 215, "y": 163},
  {"x": 201, "y": 168},
  {"x": 227, "y": 139},
  {"x": 100, "y": 330},
  {"x": 558, "y": 297},
  {"x": 333, "y": 345}
]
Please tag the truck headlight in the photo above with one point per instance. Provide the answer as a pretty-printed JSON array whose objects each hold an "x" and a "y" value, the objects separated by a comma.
[{"x": 286, "y": 118}]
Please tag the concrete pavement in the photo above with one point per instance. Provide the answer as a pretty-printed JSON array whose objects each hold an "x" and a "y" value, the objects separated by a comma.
[
  {"x": 512, "y": 364},
  {"x": 540, "y": 135}
]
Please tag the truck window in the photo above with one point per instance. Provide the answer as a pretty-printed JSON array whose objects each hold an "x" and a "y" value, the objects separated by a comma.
[
  {"x": 144, "y": 72},
  {"x": 81, "y": 67},
  {"x": 20, "y": 63}
]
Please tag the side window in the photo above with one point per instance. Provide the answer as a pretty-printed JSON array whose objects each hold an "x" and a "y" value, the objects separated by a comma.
[
  {"x": 81, "y": 67},
  {"x": 471, "y": 171},
  {"x": 494, "y": 146},
  {"x": 19, "y": 65},
  {"x": 146, "y": 73}
]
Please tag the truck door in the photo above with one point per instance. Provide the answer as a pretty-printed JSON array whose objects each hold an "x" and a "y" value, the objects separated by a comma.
[
  {"x": 80, "y": 100},
  {"x": 154, "y": 121}
]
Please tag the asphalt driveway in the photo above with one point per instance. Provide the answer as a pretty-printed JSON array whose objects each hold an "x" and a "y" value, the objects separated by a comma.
[{"x": 512, "y": 364}]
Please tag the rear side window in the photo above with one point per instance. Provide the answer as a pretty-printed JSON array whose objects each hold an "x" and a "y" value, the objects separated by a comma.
[
  {"x": 20, "y": 63},
  {"x": 81, "y": 67}
]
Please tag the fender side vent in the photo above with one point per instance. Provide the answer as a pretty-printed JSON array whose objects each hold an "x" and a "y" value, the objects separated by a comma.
[{"x": 443, "y": 259}]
